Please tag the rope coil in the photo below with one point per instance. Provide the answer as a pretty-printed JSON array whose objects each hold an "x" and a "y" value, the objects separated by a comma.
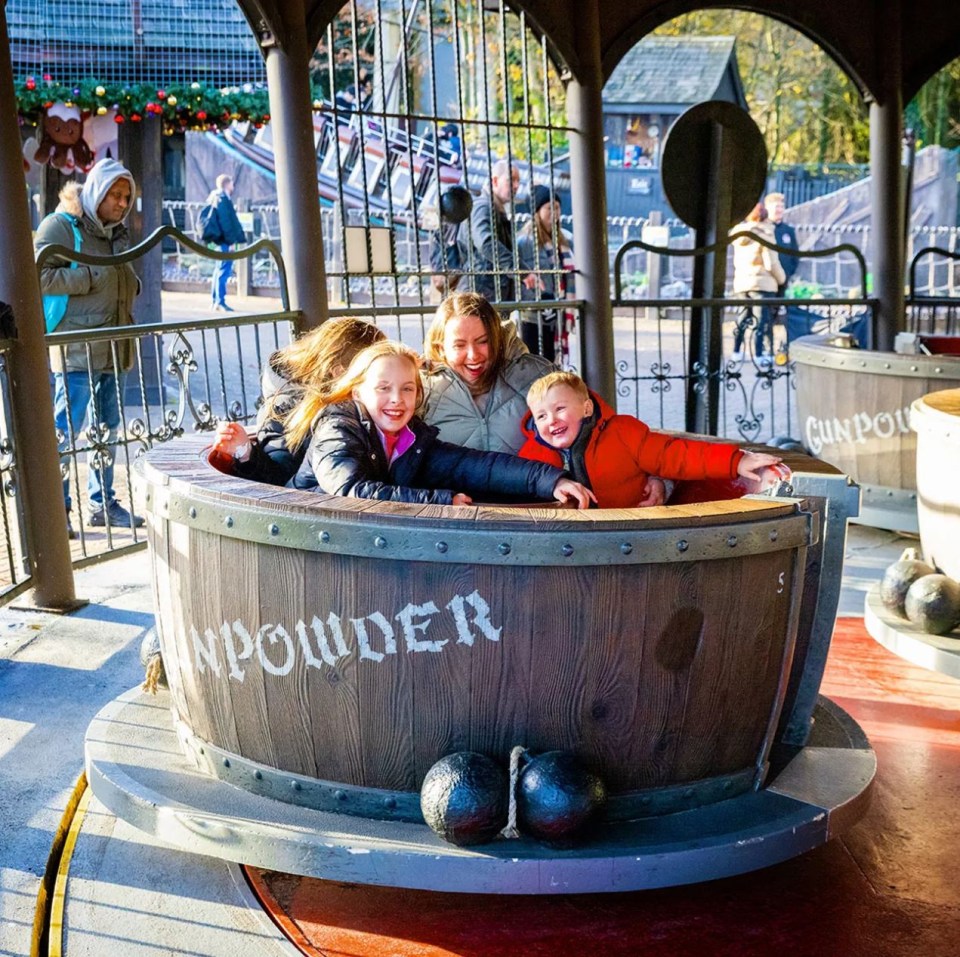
[{"x": 510, "y": 832}]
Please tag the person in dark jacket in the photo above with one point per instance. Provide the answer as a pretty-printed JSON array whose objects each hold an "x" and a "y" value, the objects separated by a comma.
[
  {"x": 785, "y": 235},
  {"x": 367, "y": 442},
  {"x": 88, "y": 377},
  {"x": 228, "y": 233},
  {"x": 314, "y": 360}
]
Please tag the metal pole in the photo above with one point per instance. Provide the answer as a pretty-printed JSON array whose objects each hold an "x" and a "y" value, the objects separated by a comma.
[
  {"x": 886, "y": 187},
  {"x": 298, "y": 197},
  {"x": 589, "y": 202},
  {"x": 39, "y": 485}
]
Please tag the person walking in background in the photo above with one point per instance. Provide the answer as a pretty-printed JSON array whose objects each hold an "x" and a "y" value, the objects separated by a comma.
[
  {"x": 757, "y": 274},
  {"x": 785, "y": 235},
  {"x": 544, "y": 247},
  {"x": 88, "y": 377},
  {"x": 225, "y": 231}
]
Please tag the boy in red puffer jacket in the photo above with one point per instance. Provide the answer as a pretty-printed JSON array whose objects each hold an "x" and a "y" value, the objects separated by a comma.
[{"x": 614, "y": 455}]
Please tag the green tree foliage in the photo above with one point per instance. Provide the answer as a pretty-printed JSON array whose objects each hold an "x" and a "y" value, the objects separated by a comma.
[
  {"x": 933, "y": 113},
  {"x": 808, "y": 110}
]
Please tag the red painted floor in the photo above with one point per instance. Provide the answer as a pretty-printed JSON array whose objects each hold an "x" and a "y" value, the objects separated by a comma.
[{"x": 889, "y": 887}]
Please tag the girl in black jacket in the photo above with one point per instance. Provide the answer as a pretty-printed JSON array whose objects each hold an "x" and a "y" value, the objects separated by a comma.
[{"x": 367, "y": 443}]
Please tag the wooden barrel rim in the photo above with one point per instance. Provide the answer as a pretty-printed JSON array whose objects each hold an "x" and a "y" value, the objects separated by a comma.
[
  {"x": 820, "y": 351},
  {"x": 182, "y": 488}
]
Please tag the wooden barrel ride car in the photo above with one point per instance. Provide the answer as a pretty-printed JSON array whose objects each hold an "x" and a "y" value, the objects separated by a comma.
[
  {"x": 936, "y": 420},
  {"x": 853, "y": 407},
  {"x": 327, "y": 651}
]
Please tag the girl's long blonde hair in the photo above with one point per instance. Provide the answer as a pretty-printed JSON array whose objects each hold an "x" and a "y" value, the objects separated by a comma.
[
  {"x": 300, "y": 422},
  {"x": 457, "y": 306}
]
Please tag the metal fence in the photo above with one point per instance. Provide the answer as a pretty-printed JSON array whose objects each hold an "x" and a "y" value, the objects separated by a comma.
[
  {"x": 657, "y": 370},
  {"x": 15, "y": 547}
]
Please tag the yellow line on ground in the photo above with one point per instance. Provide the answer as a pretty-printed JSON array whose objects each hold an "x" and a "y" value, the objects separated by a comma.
[
  {"x": 39, "y": 938},
  {"x": 59, "y": 900}
]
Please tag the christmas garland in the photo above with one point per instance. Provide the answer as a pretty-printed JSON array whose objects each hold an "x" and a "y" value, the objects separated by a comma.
[{"x": 181, "y": 106}]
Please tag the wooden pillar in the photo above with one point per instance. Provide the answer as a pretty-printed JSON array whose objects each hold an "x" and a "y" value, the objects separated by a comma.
[
  {"x": 38, "y": 481},
  {"x": 298, "y": 196},
  {"x": 589, "y": 200},
  {"x": 886, "y": 183}
]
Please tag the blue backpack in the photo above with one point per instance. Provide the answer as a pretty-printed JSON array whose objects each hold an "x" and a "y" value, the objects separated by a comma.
[{"x": 55, "y": 307}]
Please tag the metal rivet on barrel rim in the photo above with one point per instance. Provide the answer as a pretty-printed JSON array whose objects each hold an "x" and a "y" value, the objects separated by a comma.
[
  {"x": 340, "y": 795},
  {"x": 390, "y": 803},
  {"x": 886, "y": 365},
  {"x": 774, "y": 534},
  {"x": 913, "y": 368},
  {"x": 567, "y": 550},
  {"x": 863, "y": 364},
  {"x": 258, "y": 775},
  {"x": 688, "y": 793},
  {"x": 504, "y": 548},
  {"x": 295, "y": 785},
  {"x": 732, "y": 541},
  {"x": 938, "y": 370},
  {"x": 192, "y": 512},
  {"x": 442, "y": 547},
  {"x": 324, "y": 537},
  {"x": 274, "y": 529},
  {"x": 228, "y": 521},
  {"x": 380, "y": 542},
  {"x": 626, "y": 548},
  {"x": 682, "y": 545},
  {"x": 226, "y": 762}
]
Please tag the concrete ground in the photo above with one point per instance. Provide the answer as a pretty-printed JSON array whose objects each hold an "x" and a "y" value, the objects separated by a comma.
[{"x": 55, "y": 675}]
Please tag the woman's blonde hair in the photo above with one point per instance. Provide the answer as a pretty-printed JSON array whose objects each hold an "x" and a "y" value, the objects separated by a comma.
[
  {"x": 300, "y": 422},
  {"x": 457, "y": 306}
]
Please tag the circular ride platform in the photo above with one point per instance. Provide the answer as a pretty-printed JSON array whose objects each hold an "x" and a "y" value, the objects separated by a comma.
[
  {"x": 137, "y": 768},
  {"x": 939, "y": 653}
]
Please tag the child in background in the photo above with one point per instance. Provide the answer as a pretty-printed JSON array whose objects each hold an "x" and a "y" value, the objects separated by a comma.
[
  {"x": 614, "y": 454},
  {"x": 314, "y": 360},
  {"x": 366, "y": 442}
]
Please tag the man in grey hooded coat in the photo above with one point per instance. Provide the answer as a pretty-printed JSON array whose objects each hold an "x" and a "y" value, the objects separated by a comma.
[{"x": 88, "y": 380}]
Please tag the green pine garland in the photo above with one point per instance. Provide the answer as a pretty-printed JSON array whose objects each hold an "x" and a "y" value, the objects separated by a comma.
[{"x": 181, "y": 106}]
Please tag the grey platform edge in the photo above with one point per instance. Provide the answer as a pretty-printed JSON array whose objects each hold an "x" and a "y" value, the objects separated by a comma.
[
  {"x": 892, "y": 508},
  {"x": 136, "y": 768},
  {"x": 935, "y": 652}
]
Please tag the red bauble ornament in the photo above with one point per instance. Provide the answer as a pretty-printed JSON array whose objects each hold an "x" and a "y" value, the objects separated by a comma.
[
  {"x": 31, "y": 83},
  {"x": 161, "y": 95},
  {"x": 135, "y": 117},
  {"x": 118, "y": 119},
  {"x": 201, "y": 114}
]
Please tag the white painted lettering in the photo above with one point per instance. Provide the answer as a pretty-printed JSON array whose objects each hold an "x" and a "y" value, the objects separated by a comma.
[
  {"x": 841, "y": 430},
  {"x": 363, "y": 640},
  {"x": 230, "y": 648},
  {"x": 205, "y": 654},
  {"x": 863, "y": 425},
  {"x": 411, "y": 627},
  {"x": 881, "y": 423},
  {"x": 275, "y": 632},
  {"x": 336, "y": 633},
  {"x": 813, "y": 438},
  {"x": 481, "y": 622}
]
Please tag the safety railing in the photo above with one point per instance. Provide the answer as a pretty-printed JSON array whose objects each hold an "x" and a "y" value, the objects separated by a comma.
[
  {"x": 14, "y": 544},
  {"x": 937, "y": 314},
  {"x": 747, "y": 371}
]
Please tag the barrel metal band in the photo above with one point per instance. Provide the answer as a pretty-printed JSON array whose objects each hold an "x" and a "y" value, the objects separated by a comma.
[
  {"x": 389, "y": 805},
  {"x": 824, "y": 356},
  {"x": 427, "y": 540}
]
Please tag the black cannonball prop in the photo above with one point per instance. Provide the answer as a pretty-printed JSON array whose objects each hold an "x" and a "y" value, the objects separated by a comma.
[
  {"x": 557, "y": 796},
  {"x": 464, "y": 798},
  {"x": 898, "y": 578},
  {"x": 933, "y": 603},
  {"x": 456, "y": 203}
]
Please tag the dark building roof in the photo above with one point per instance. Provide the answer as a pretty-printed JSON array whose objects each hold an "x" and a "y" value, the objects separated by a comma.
[
  {"x": 151, "y": 41},
  {"x": 673, "y": 70}
]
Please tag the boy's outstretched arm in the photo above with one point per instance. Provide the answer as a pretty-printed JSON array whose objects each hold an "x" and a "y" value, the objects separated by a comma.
[{"x": 751, "y": 463}]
